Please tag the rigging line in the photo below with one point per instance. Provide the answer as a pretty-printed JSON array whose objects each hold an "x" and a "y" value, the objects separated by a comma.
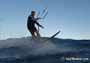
[
  {"x": 45, "y": 15},
  {"x": 44, "y": 12}
]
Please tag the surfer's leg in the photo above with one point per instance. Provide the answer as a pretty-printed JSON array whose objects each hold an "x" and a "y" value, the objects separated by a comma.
[
  {"x": 33, "y": 40},
  {"x": 38, "y": 34},
  {"x": 33, "y": 36}
]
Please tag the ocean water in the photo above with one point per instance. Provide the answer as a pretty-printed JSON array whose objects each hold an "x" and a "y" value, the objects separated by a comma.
[{"x": 23, "y": 50}]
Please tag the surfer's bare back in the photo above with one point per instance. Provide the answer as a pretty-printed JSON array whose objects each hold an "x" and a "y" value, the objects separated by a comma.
[{"x": 31, "y": 25}]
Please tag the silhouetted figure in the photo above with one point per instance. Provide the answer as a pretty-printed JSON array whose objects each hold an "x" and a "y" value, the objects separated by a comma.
[{"x": 31, "y": 25}]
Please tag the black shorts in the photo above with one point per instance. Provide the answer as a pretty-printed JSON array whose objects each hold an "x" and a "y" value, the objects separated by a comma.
[{"x": 32, "y": 29}]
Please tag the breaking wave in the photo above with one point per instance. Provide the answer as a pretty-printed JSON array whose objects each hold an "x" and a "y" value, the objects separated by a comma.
[{"x": 23, "y": 49}]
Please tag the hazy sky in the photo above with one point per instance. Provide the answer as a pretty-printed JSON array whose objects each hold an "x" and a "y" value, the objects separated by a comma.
[{"x": 72, "y": 17}]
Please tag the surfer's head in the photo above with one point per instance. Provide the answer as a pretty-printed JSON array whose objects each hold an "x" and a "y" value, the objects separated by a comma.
[{"x": 33, "y": 13}]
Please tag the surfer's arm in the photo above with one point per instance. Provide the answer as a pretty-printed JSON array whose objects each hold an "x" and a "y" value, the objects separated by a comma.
[{"x": 39, "y": 24}]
